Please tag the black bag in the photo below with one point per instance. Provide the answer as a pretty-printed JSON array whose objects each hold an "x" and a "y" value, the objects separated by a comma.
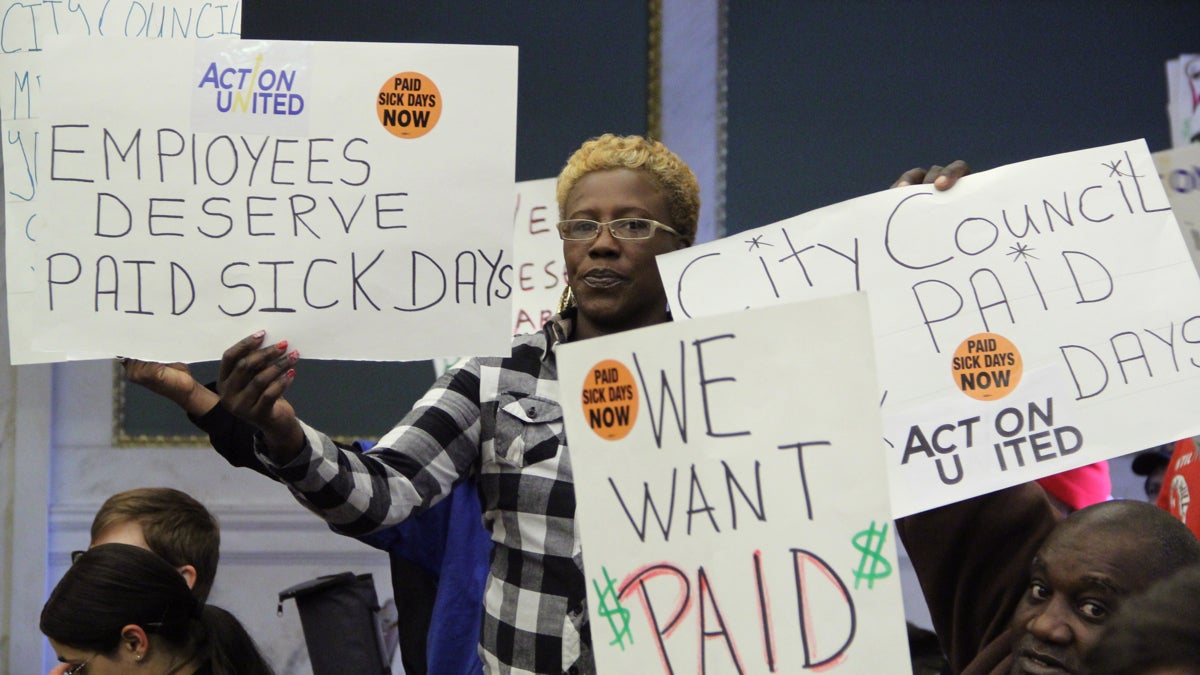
[{"x": 340, "y": 617}]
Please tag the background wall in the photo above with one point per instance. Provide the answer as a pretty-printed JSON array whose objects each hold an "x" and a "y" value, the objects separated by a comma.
[{"x": 831, "y": 99}]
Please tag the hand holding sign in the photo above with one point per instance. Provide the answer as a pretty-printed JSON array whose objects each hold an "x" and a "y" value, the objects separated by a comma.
[
  {"x": 252, "y": 381},
  {"x": 172, "y": 381},
  {"x": 942, "y": 177}
]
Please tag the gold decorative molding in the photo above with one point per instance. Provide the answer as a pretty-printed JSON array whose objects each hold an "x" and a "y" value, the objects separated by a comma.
[{"x": 654, "y": 39}]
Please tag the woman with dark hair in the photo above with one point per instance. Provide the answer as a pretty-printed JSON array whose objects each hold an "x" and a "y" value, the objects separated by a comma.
[{"x": 121, "y": 607}]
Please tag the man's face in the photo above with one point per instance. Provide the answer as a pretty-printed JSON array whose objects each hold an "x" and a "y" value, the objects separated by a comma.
[
  {"x": 1076, "y": 581},
  {"x": 615, "y": 281}
]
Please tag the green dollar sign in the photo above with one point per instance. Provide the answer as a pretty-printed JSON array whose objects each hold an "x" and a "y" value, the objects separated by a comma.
[
  {"x": 880, "y": 567},
  {"x": 614, "y": 614}
]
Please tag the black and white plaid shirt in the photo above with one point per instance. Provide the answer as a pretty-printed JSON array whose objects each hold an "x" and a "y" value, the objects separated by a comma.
[{"x": 499, "y": 419}]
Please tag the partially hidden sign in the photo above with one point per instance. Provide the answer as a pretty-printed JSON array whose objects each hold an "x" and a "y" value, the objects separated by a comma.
[
  {"x": 1032, "y": 319},
  {"x": 355, "y": 199},
  {"x": 1179, "y": 170},
  {"x": 539, "y": 273},
  {"x": 732, "y": 496}
]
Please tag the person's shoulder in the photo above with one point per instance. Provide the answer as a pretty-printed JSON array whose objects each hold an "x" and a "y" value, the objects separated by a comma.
[
  {"x": 555, "y": 331},
  {"x": 531, "y": 347},
  {"x": 528, "y": 351}
]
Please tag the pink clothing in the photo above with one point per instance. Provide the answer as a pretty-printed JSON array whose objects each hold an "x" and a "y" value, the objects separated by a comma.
[{"x": 1080, "y": 487}]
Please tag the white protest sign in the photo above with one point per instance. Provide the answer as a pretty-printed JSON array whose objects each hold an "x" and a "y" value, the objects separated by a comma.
[
  {"x": 353, "y": 198},
  {"x": 1032, "y": 319},
  {"x": 732, "y": 496},
  {"x": 28, "y": 26},
  {"x": 1183, "y": 99},
  {"x": 1179, "y": 170},
  {"x": 28, "y": 30},
  {"x": 539, "y": 274}
]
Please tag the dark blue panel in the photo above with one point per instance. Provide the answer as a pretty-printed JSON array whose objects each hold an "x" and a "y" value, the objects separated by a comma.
[{"x": 832, "y": 99}]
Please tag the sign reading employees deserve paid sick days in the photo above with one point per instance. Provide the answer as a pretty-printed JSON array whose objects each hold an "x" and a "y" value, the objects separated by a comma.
[
  {"x": 1032, "y": 319},
  {"x": 732, "y": 496},
  {"x": 355, "y": 198}
]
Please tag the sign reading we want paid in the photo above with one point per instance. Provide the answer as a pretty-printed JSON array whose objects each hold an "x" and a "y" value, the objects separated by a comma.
[
  {"x": 732, "y": 496},
  {"x": 353, "y": 198},
  {"x": 1032, "y": 319}
]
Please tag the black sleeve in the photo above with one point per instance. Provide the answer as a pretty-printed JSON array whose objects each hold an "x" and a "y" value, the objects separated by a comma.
[
  {"x": 972, "y": 561},
  {"x": 231, "y": 436}
]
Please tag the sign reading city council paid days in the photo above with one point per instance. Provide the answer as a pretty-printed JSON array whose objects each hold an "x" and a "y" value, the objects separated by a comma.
[
  {"x": 732, "y": 496},
  {"x": 355, "y": 199},
  {"x": 1032, "y": 319}
]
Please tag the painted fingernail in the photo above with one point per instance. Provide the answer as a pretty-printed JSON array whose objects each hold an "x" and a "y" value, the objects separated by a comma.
[
  {"x": 258, "y": 334},
  {"x": 281, "y": 345},
  {"x": 294, "y": 356},
  {"x": 291, "y": 373}
]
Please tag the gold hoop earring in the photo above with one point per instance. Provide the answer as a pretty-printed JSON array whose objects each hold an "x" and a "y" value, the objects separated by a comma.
[{"x": 567, "y": 299}]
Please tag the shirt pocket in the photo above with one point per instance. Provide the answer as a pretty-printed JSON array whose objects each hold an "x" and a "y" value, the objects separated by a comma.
[{"x": 528, "y": 429}]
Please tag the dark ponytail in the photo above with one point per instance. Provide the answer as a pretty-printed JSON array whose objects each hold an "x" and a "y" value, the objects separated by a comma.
[{"x": 230, "y": 648}]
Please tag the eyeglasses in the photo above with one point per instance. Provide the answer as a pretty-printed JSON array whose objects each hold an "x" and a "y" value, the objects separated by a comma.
[
  {"x": 580, "y": 229},
  {"x": 79, "y": 668}
]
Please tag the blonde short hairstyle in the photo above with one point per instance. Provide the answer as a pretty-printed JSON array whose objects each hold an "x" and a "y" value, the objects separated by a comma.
[{"x": 670, "y": 173}]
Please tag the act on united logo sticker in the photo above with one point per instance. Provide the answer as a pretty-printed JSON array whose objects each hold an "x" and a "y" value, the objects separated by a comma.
[
  {"x": 987, "y": 366},
  {"x": 610, "y": 400},
  {"x": 409, "y": 105}
]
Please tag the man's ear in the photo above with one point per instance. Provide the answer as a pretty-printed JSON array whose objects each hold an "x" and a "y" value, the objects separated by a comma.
[{"x": 189, "y": 575}]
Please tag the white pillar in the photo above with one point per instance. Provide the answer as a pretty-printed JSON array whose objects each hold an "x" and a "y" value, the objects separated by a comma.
[{"x": 24, "y": 495}]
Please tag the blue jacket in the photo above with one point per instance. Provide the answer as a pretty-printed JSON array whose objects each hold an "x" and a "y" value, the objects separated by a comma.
[{"x": 448, "y": 541}]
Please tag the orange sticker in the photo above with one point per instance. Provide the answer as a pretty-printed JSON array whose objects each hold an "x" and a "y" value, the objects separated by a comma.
[
  {"x": 409, "y": 105},
  {"x": 610, "y": 400},
  {"x": 987, "y": 366}
]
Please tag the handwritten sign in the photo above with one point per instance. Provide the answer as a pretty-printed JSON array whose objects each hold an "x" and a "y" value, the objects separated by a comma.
[
  {"x": 539, "y": 271},
  {"x": 1179, "y": 170},
  {"x": 732, "y": 496},
  {"x": 1183, "y": 99},
  {"x": 539, "y": 275},
  {"x": 1034, "y": 318},
  {"x": 28, "y": 30},
  {"x": 355, "y": 198},
  {"x": 28, "y": 26}
]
